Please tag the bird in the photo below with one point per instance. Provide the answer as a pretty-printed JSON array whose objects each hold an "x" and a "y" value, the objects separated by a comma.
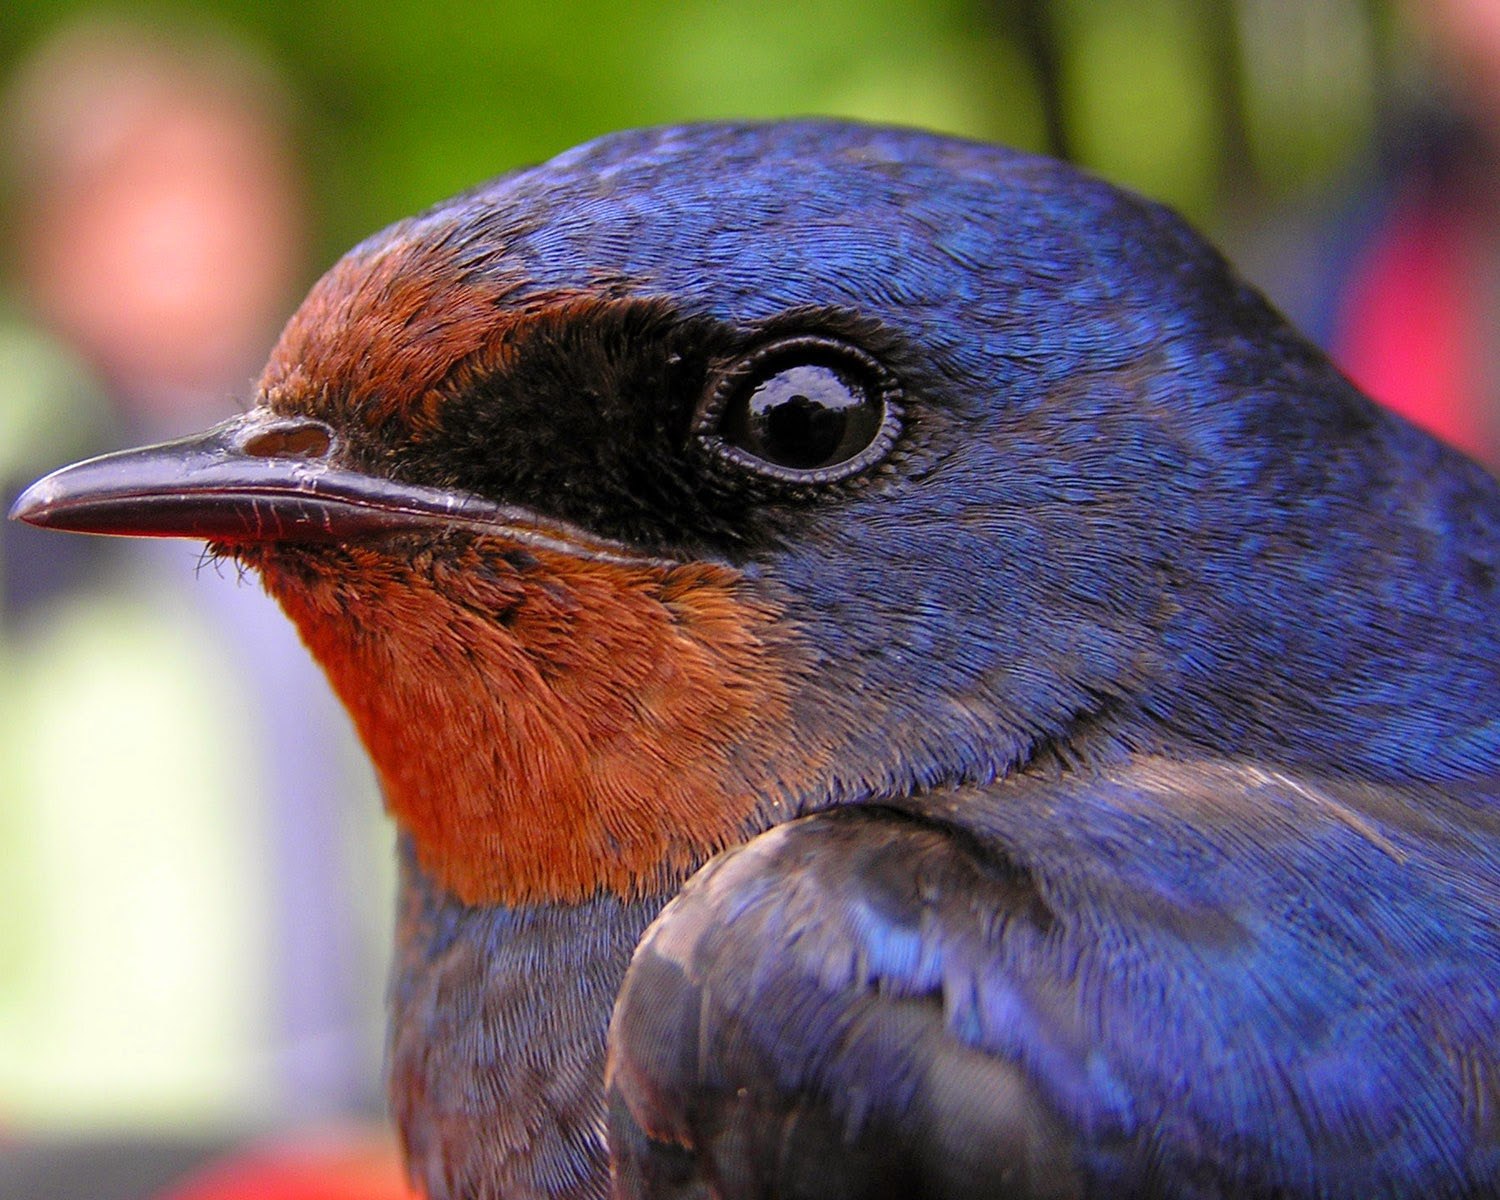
[{"x": 896, "y": 673}]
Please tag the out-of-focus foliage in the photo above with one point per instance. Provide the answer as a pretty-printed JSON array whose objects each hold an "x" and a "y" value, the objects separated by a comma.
[{"x": 404, "y": 102}]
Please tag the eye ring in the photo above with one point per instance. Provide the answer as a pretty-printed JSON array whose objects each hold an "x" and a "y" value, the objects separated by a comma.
[{"x": 852, "y": 436}]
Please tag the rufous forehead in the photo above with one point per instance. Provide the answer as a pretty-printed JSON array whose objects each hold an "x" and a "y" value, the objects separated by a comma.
[{"x": 380, "y": 332}]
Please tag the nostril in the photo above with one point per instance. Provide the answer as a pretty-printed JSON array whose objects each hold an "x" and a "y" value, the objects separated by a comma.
[{"x": 307, "y": 439}]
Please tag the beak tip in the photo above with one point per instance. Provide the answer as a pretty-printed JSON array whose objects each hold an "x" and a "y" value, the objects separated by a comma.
[{"x": 31, "y": 505}]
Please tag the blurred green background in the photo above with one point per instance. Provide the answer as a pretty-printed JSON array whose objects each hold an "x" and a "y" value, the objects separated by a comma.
[
  {"x": 145, "y": 903},
  {"x": 1199, "y": 102}
]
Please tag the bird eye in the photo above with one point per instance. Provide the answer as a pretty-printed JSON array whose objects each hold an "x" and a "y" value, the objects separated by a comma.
[{"x": 806, "y": 409}]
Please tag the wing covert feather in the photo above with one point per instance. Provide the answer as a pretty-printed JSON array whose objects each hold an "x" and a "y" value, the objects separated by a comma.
[{"x": 1166, "y": 980}]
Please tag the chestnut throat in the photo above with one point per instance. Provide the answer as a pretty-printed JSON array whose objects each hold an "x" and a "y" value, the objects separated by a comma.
[{"x": 547, "y": 727}]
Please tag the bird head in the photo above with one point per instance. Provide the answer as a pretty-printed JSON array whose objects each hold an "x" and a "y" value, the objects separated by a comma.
[{"x": 704, "y": 476}]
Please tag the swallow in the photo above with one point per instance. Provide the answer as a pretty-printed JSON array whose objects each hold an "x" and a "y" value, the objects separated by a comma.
[{"x": 897, "y": 674}]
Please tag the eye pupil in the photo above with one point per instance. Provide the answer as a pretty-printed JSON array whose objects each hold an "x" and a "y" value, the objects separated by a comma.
[
  {"x": 803, "y": 409},
  {"x": 805, "y": 417},
  {"x": 802, "y": 432}
]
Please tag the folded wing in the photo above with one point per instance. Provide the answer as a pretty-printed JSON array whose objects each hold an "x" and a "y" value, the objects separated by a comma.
[{"x": 1166, "y": 979}]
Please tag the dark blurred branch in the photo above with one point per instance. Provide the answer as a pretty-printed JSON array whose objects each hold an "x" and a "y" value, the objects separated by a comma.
[
  {"x": 1237, "y": 173},
  {"x": 1030, "y": 25}
]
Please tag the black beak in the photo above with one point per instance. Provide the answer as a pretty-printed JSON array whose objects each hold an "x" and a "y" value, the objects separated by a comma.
[
  {"x": 262, "y": 478},
  {"x": 254, "y": 478}
]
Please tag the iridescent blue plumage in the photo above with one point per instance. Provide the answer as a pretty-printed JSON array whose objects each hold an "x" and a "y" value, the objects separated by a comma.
[
  {"x": 1139, "y": 517},
  {"x": 1111, "y": 425},
  {"x": 1111, "y": 762},
  {"x": 1201, "y": 980}
]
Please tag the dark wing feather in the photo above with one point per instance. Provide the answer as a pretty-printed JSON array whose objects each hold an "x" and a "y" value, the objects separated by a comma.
[{"x": 1171, "y": 980}]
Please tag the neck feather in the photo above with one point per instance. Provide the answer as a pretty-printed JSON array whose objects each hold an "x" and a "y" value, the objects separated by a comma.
[{"x": 547, "y": 725}]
